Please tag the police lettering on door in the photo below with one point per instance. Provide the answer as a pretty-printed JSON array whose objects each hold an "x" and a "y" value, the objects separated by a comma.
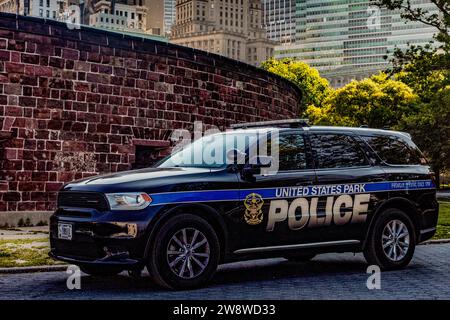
[{"x": 298, "y": 206}]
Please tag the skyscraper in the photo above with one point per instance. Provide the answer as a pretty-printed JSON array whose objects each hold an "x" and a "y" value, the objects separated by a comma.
[
  {"x": 169, "y": 15},
  {"x": 279, "y": 20},
  {"x": 232, "y": 28},
  {"x": 352, "y": 39}
]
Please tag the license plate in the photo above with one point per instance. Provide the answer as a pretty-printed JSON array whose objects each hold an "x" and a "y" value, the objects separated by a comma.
[{"x": 65, "y": 231}]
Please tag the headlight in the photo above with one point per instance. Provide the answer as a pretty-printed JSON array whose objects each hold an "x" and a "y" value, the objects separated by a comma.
[{"x": 128, "y": 200}]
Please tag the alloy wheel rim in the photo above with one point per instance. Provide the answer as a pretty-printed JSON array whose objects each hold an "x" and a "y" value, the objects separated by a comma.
[
  {"x": 395, "y": 240},
  {"x": 188, "y": 253}
]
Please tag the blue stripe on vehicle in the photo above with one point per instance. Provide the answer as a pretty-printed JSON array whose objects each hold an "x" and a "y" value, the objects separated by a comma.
[
  {"x": 271, "y": 193},
  {"x": 195, "y": 196}
]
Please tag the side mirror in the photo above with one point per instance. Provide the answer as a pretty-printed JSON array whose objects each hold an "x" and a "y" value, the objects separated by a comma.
[{"x": 256, "y": 164}]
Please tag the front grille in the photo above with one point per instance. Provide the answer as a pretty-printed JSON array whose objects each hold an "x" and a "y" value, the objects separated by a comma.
[
  {"x": 73, "y": 213},
  {"x": 74, "y": 199}
]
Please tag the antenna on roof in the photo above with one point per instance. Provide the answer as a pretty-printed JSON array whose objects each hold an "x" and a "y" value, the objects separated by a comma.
[{"x": 290, "y": 123}]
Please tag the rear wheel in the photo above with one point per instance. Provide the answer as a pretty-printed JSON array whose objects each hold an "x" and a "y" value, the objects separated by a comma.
[
  {"x": 185, "y": 253},
  {"x": 101, "y": 270},
  {"x": 391, "y": 243}
]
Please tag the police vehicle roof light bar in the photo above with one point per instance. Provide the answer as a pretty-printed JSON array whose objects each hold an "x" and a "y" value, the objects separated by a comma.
[{"x": 292, "y": 123}]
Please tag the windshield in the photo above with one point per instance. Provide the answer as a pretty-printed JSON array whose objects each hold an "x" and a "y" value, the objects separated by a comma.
[{"x": 210, "y": 151}]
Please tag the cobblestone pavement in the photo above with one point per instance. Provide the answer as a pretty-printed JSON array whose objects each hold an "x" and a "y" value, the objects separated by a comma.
[{"x": 328, "y": 276}]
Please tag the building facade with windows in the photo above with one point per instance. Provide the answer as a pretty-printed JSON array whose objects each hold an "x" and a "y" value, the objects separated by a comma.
[
  {"x": 49, "y": 9},
  {"x": 352, "y": 39},
  {"x": 138, "y": 16},
  {"x": 232, "y": 28},
  {"x": 122, "y": 17},
  {"x": 279, "y": 20},
  {"x": 169, "y": 15},
  {"x": 135, "y": 16},
  {"x": 9, "y": 6}
]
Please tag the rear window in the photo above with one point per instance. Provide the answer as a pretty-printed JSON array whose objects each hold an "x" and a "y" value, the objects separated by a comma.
[
  {"x": 393, "y": 150},
  {"x": 337, "y": 151}
]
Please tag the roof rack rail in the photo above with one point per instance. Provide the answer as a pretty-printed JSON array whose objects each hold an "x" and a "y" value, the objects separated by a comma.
[{"x": 290, "y": 123}]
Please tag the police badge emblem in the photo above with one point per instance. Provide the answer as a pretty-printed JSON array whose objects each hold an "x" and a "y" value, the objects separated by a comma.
[{"x": 253, "y": 213}]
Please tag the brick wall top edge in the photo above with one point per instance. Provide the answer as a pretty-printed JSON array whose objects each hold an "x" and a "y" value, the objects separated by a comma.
[{"x": 124, "y": 41}]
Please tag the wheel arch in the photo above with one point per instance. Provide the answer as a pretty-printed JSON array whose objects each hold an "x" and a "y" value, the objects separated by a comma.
[
  {"x": 405, "y": 205},
  {"x": 204, "y": 211}
]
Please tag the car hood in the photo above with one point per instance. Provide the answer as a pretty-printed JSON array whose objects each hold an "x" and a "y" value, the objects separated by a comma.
[{"x": 149, "y": 179}]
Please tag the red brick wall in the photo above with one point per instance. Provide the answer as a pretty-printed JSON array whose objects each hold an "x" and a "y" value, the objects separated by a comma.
[{"x": 77, "y": 101}]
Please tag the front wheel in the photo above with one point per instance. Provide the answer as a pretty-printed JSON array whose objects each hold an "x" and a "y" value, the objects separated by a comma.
[
  {"x": 185, "y": 253},
  {"x": 391, "y": 243}
]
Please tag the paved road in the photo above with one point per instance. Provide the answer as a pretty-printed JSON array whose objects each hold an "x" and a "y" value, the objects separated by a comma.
[{"x": 329, "y": 276}]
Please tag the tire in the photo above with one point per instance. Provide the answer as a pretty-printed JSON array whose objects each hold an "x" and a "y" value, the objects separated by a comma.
[
  {"x": 104, "y": 271},
  {"x": 198, "y": 244},
  {"x": 390, "y": 258},
  {"x": 300, "y": 257}
]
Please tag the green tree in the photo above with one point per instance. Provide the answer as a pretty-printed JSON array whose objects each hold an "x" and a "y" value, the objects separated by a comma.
[
  {"x": 376, "y": 102},
  {"x": 430, "y": 128},
  {"x": 314, "y": 88},
  {"x": 424, "y": 68},
  {"x": 439, "y": 20},
  {"x": 424, "y": 82},
  {"x": 427, "y": 70}
]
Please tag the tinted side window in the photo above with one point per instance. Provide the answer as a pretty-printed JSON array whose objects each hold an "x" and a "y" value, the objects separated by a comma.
[
  {"x": 337, "y": 151},
  {"x": 394, "y": 151},
  {"x": 292, "y": 154}
]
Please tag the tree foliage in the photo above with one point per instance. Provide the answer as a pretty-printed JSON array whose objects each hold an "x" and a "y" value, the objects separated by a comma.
[
  {"x": 430, "y": 128},
  {"x": 427, "y": 70},
  {"x": 423, "y": 81},
  {"x": 434, "y": 56},
  {"x": 376, "y": 102},
  {"x": 314, "y": 88},
  {"x": 439, "y": 20}
]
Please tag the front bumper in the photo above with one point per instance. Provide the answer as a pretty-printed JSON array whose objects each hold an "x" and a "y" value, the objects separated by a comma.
[
  {"x": 106, "y": 261},
  {"x": 100, "y": 238}
]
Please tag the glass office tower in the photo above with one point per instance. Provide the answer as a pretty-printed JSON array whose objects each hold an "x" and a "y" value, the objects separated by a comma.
[
  {"x": 352, "y": 39},
  {"x": 279, "y": 20},
  {"x": 169, "y": 15}
]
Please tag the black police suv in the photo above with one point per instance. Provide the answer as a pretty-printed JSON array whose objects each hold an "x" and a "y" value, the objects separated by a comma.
[{"x": 268, "y": 189}]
